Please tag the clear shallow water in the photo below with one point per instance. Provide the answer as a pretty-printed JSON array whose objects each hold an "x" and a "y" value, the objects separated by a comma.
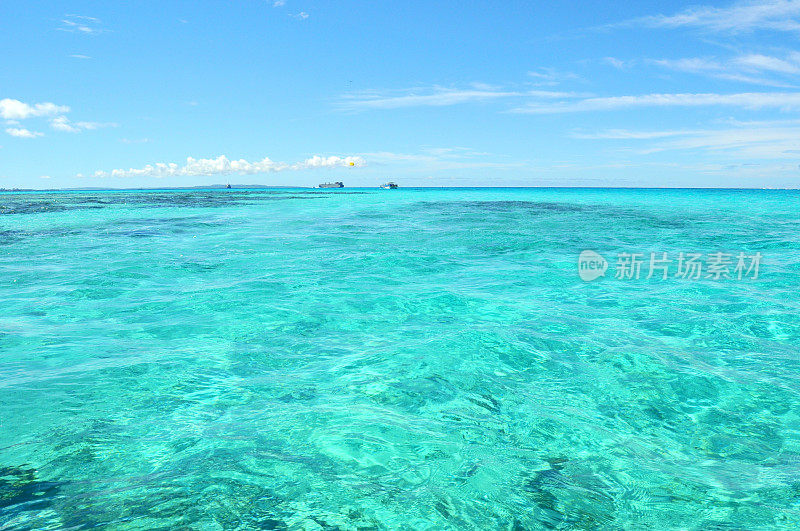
[{"x": 364, "y": 359}]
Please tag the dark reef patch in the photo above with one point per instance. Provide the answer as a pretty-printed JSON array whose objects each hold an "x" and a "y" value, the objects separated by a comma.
[{"x": 20, "y": 485}]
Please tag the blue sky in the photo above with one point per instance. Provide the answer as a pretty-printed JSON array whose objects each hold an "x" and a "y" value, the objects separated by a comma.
[{"x": 128, "y": 94}]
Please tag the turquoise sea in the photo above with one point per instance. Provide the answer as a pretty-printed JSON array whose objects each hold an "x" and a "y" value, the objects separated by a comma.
[{"x": 375, "y": 359}]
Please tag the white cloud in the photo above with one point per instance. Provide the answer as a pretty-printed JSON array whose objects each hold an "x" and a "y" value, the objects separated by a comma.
[
  {"x": 691, "y": 64},
  {"x": 426, "y": 155},
  {"x": 17, "y": 110},
  {"x": 22, "y": 133},
  {"x": 550, "y": 76},
  {"x": 79, "y": 56},
  {"x": 327, "y": 162},
  {"x": 437, "y": 97},
  {"x": 716, "y": 69},
  {"x": 750, "y": 140},
  {"x": 440, "y": 159},
  {"x": 484, "y": 86},
  {"x": 761, "y": 63},
  {"x": 749, "y": 143},
  {"x": 222, "y": 165},
  {"x": 750, "y": 68},
  {"x": 12, "y": 111},
  {"x": 552, "y": 94},
  {"x": 623, "y": 134},
  {"x": 278, "y": 3},
  {"x": 616, "y": 63},
  {"x": 80, "y": 24},
  {"x": 301, "y": 15},
  {"x": 62, "y": 123},
  {"x": 780, "y": 15},
  {"x": 457, "y": 151},
  {"x": 747, "y": 100}
]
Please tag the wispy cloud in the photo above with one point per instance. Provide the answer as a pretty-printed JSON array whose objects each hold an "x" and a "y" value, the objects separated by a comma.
[
  {"x": 438, "y": 97},
  {"x": 749, "y": 68},
  {"x": 278, "y": 3},
  {"x": 302, "y": 15},
  {"x": 18, "y": 110},
  {"x": 550, "y": 76},
  {"x": 619, "y": 64},
  {"x": 750, "y": 140},
  {"x": 438, "y": 159},
  {"x": 747, "y": 100},
  {"x": 750, "y": 143},
  {"x": 79, "y": 56},
  {"x": 222, "y": 165},
  {"x": 81, "y": 24},
  {"x": 22, "y": 133},
  {"x": 427, "y": 155},
  {"x": 691, "y": 64},
  {"x": 62, "y": 123},
  {"x": 624, "y": 134},
  {"x": 763, "y": 63},
  {"x": 780, "y": 15},
  {"x": 554, "y": 102}
]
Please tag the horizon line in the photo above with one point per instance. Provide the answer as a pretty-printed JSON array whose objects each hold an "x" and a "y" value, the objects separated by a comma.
[{"x": 223, "y": 187}]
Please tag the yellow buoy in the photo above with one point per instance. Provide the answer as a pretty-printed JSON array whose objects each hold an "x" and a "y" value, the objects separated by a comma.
[{"x": 352, "y": 164}]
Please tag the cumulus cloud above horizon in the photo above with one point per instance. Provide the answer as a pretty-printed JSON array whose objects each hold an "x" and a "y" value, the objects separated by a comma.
[
  {"x": 15, "y": 111},
  {"x": 11, "y": 109},
  {"x": 222, "y": 165}
]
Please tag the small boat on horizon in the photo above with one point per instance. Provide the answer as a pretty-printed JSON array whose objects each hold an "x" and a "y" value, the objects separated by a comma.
[
  {"x": 389, "y": 186},
  {"x": 337, "y": 184}
]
